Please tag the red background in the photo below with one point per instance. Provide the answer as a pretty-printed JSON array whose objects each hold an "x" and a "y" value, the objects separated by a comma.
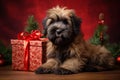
[{"x": 14, "y": 14}]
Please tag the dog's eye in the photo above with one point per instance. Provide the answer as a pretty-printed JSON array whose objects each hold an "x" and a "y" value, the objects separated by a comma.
[
  {"x": 65, "y": 21},
  {"x": 53, "y": 30}
]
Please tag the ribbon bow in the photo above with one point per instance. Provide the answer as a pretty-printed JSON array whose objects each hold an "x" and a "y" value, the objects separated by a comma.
[{"x": 35, "y": 35}]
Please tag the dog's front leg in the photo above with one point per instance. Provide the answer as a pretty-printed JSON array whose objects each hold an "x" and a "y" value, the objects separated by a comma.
[
  {"x": 70, "y": 66},
  {"x": 47, "y": 67}
]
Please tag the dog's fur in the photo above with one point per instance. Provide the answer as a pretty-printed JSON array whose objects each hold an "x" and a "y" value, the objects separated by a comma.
[{"x": 67, "y": 52}]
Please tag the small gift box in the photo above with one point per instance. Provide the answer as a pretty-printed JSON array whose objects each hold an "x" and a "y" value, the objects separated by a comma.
[
  {"x": 28, "y": 57},
  {"x": 28, "y": 51}
]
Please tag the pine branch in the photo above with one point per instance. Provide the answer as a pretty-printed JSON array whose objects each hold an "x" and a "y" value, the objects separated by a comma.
[{"x": 32, "y": 24}]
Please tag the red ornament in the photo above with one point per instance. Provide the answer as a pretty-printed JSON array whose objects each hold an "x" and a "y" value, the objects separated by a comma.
[
  {"x": 2, "y": 61},
  {"x": 101, "y": 22},
  {"x": 118, "y": 59},
  {"x": 101, "y": 19}
]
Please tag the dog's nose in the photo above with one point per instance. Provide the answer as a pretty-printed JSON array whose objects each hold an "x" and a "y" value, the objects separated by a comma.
[{"x": 58, "y": 31}]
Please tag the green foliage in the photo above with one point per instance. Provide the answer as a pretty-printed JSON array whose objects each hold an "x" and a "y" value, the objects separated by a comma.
[
  {"x": 6, "y": 52},
  {"x": 114, "y": 48},
  {"x": 96, "y": 37},
  {"x": 31, "y": 24},
  {"x": 2, "y": 47}
]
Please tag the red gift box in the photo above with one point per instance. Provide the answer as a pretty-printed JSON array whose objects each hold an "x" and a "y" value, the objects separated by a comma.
[{"x": 28, "y": 55}]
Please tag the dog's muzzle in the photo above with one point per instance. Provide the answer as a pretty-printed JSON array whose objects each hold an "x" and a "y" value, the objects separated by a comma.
[{"x": 58, "y": 32}]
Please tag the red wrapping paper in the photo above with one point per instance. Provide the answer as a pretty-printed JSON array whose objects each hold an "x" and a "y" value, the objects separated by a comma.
[
  {"x": 36, "y": 54},
  {"x": 17, "y": 54}
]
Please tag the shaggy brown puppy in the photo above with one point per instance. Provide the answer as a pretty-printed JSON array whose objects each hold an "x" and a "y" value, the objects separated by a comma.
[{"x": 67, "y": 52}]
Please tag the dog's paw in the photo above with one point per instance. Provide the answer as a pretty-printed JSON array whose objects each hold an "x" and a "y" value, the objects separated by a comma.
[
  {"x": 42, "y": 70},
  {"x": 62, "y": 71}
]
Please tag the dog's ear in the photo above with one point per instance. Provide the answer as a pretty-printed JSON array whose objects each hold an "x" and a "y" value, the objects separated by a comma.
[
  {"x": 76, "y": 22},
  {"x": 46, "y": 22},
  {"x": 44, "y": 26}
]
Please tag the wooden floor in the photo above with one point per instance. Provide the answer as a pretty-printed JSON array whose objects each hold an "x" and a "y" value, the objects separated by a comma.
[{"x": 7, "y": 74}]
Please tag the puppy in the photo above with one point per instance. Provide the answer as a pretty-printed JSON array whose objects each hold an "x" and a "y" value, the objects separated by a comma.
[{"x": 67, "y": 52}]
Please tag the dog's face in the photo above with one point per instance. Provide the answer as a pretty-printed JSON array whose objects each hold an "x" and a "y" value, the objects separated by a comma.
[{"x": 61, "y": 26}]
